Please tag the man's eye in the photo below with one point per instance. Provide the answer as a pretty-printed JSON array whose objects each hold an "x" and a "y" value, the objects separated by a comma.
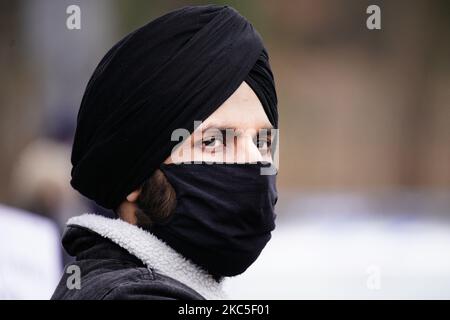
[
  {"x": 212, "y": 142},
  {"x": 263, "y": 144}
]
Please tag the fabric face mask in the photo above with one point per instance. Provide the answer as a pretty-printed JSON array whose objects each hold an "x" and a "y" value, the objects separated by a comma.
[{"x": 224, "y": 214}]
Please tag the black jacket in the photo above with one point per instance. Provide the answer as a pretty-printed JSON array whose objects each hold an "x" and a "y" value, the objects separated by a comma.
[{"x": 110, "y": 272}]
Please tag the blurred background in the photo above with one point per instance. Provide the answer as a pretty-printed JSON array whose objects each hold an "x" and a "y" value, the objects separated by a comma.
[{"x": 364, "y": 180}]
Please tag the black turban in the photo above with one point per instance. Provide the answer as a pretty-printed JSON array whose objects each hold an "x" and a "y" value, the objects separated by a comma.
[{"x": 176, "y": 69}]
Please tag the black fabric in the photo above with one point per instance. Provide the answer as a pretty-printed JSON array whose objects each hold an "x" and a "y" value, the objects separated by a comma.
[
  {"x": 109, "y": 272},
  {"x": 176, "y": 69},
  {"x": 224, "y": 214}
]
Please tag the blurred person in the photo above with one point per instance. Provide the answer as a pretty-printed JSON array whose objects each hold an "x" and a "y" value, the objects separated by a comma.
[
  {"x": 190, "y": 213},
  {"x": 30, "y": 255},
  {"x": 39, "y": 180},
  {"x": 40, "y": 186}
]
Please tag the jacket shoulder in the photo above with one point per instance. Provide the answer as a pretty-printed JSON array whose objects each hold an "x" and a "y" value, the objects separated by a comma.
[{"x": 119, "y": 280}]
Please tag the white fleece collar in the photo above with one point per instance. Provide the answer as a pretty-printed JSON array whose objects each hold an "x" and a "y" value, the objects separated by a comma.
[{"x": 153, "y": 252}]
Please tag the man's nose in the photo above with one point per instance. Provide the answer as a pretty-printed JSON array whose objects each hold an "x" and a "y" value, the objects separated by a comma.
[{"x": 247, "y": 150}]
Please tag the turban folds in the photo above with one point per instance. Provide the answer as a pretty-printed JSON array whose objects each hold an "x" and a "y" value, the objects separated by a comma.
[{"x": 176, "y": 69}]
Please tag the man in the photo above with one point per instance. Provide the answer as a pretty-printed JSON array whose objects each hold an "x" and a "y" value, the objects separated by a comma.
[{"x": 190, "y": 212}]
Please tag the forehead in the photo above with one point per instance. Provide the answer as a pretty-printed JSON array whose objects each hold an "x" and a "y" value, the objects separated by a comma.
[{"x": 241, "y": 110}]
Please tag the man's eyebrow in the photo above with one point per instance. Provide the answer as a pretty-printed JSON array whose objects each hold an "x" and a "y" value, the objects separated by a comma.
[{"x": 225, "y": 126}]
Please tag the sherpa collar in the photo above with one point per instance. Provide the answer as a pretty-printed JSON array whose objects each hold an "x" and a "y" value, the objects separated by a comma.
[{"x": 153, "y": 252}]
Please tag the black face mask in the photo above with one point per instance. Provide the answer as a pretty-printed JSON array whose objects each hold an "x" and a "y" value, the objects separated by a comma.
[{"x": 224, "y": 214}]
